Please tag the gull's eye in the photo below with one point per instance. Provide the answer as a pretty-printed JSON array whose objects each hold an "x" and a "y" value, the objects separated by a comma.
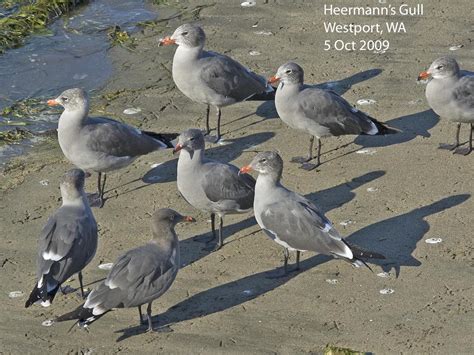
[
  {"x": 288, "y": 71},
  {"x": 192, "y": 138},
  {"x": 439, "y": 67},
  {"x": 264, "y": 160},
  {"x": 64, "y": 98},
  {"x": 185, "y": 33}
]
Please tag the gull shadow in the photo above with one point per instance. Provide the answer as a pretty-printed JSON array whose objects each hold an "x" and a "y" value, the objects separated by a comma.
[
  {"x": 224, "y": 296},
  {"x": 410, "y": 126},
  {"x": 397, "y": 237},
  {"x": 344, "y": 85},
  {"x": 341, "y": 194},
  {"x": 194, "y": 248},
  {"x": 268, "y": 110},
  {"x": 326, "y": 200},
  {"x": 229, "y": 151}
]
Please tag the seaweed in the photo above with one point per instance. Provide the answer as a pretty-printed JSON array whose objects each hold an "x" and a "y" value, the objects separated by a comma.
[{"x": 32, "y": 17}]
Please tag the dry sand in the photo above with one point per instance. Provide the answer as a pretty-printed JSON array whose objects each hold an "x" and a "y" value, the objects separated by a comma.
[{"x": 404, "y": 193}]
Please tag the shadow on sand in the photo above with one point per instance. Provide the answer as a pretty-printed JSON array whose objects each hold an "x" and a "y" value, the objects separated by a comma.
[{"x": 397, "y": 237}]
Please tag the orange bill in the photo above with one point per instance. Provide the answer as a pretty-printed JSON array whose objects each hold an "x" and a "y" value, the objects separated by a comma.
[
  {"x": 273, "y": 79},
  {"x": 53, "y": 102},
  {"x": 178, "y": 147},
  {"x": 167, "y": 41},
  {"x": 245, "y": 169},
  {"x": 423, "y": 75}
]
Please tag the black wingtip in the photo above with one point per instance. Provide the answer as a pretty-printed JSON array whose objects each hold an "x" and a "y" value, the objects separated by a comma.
[
  {"x": 40, "y": 294},
  {"x": 264, "y": 96},
  {"x": 382, "y": 128},
  {"x": 361, "y": 253},
  {"x": 166, "y": 138}
]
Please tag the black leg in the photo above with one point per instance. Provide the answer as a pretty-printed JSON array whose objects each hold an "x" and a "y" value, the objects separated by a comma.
[
  {"x": 458, "y": 130},
  {"x": 310, "y": 166},
  {"x": 468, "y": 150},
  {"x": 220, "y": 243},
  {"x": 302, "y": 160},
  {"x": 148, "y": 314},
  {"x": 79, "y": 275},
  {"x": 213, "y": 225},
  {"x": 208, "y": 129},
  {"x": 99, "y": 185},
  {"x": 456, "y": 144},
  {"x": 286, "y": 255},
  {"x": 298, "y": 260},
  {"x": 140, "y": 314},
  {"x": 218, "y": 124},
  {"x": 102, "y": 191},
  {"x": 318, "y": 161}
]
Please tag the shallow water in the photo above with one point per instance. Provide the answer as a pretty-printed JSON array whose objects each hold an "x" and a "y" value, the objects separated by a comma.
[{"x": 73, "y": 54}]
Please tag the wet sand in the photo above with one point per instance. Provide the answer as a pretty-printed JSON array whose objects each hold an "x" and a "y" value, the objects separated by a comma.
[{"x": 391, "y": 200}]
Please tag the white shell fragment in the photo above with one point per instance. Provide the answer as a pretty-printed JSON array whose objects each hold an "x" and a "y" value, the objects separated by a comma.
[
  {"x": 332, "y": 281},
  {"x": 249, "y": 3},
  {"x": 456, "y": 47},
  {"x": 383, "y": 274},
  {"x": 346, "y": 223},
  {"x": 386, "y": 291},
  {"x": 223, "y": 142},
  {"x": 254, "y": 53},
  {"x": 247, "y": 292},
  {"x": 372, "y": 189},
  {"x": 44, "y": 182},
  {"x": 433, "y": 240},
  {"x": 264, "y": 33},
  {"x": 132, "y": 110},
  {"x": 47, "y": 323},
  {"x": 367, "y": 151},
  {"x": 106, "y": 266},
  {"x": 155, "y": 165},
  {"x": 363, "y": 102},
  {"x": 15, "y": 294}
]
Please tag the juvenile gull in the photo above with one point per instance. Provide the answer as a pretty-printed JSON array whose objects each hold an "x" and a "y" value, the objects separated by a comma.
[
  {"x": 293, "y": 221},
  {"x": 211, "y": 78},
  {"x": 450, "y": 94},
  {"x": 321, "y": 113},
  {"x": 67, "y": 243},
  {"x": 209, "y": 185},
  {"x": 100, "y": 144},
  {"x": 139, "y": 276}
]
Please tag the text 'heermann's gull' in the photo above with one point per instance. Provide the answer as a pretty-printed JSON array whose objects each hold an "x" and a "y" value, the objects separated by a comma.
[
  {"x": 139, "y": 276},
  {"x": 320, "y": 113},
  {"x": 450, "y": 94},
  {"x": 67, "y": 243},
  {"x": 212, "y": 78},
  {"x": 292, "y": 220},
  {"x": 209, "y": 185},
  {"x": 101, "y": 144}
]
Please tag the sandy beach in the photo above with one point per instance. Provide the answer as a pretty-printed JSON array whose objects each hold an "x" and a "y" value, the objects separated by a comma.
[{"x": 389, "y": 194}]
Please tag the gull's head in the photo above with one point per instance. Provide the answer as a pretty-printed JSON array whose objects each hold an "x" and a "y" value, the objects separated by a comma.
[
  {"x": 71, "y": 99},
  {"x": 169, "y": 217},
  {"x": 265, "y": 163},
  {"x": 288, "y": 73},
  {"x": 190, "y": 140},
  {"x": 187, "y": 35},
  {"x": 72, "y": 184},
  {"x": 443, "y": 67}
]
